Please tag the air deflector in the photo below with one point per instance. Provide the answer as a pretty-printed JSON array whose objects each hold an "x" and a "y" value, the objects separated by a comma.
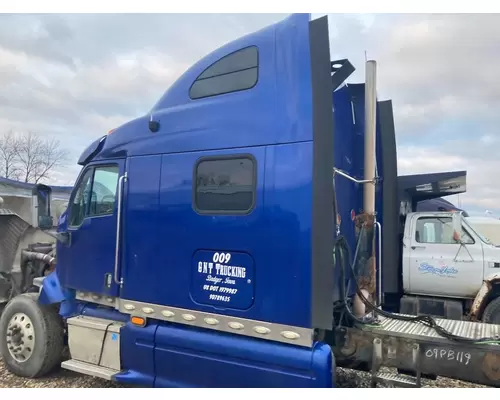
[
  {"x": 323, "y": 223},
  {"x": 91, "y": 151}
]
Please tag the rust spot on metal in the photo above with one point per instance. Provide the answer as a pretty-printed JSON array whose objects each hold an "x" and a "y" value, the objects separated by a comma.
[
  {"x": 366, "y": 220},
  {"x": 396, "y": 352},
  {"x": 476, "y": 364},
  {"x": 368, "y": 281},
  {"x": 49, "y": 270},
  {"x": 491, "y": 366},
  {"x": 368, "y": 271},
  {"x": 478, "y": 303},
  {"x": 480, "y": 300}
]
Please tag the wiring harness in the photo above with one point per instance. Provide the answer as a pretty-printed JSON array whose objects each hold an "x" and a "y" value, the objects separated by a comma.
[{"x": 342, "y": 258}]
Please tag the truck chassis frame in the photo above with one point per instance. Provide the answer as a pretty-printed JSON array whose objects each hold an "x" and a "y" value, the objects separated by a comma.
[{"x": 419, "y": 350}]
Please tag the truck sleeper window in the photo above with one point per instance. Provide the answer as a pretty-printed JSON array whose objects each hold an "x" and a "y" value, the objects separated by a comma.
[
  {"x": 438, "y": 230},
  {"x": 224, "y": 185},
  {"x": 234, "y": 72}
]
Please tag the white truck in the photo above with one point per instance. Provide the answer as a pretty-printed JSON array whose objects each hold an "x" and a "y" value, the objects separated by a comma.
[{"x": 446, "y": 273}]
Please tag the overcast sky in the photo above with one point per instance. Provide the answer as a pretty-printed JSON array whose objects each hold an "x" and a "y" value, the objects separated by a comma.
[{"x": 75, "y": 77}]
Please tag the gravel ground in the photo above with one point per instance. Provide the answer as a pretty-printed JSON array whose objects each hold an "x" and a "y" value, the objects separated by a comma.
[
  {"x": 59, "y": 379},
  {"x": 349, "y": 378},
  {"x": 346, "y": 378}
]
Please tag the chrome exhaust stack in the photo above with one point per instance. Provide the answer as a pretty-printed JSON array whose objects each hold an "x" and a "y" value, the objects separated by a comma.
[
  {"x": 370, "y": 135},
  {"x": 367, "y": 220}
]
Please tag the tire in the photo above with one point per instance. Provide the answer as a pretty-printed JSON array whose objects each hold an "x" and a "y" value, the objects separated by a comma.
[
  {"x": 42, "y": 340},
  {"x": 491, "y": 313}
]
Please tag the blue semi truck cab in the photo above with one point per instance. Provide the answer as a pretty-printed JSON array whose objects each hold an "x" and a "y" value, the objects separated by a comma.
[{"x": 229, "y": 238}]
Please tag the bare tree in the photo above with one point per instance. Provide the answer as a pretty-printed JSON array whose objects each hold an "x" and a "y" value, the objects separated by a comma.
[
  {"x": 8, "y": 155},
  {"x": 51, "y": 156},
  {"x": 29, "y": 157}
]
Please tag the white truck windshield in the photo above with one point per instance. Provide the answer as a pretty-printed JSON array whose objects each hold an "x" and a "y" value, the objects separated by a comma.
[{"x": 470, "y": 228}]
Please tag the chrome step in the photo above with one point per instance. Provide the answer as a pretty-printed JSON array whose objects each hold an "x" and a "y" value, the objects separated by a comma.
[
  {"x": 89, "y": 369},
  {"x": 396, "y": 380}
]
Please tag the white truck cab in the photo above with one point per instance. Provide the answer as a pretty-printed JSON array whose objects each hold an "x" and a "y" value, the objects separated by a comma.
[{"x": 448, "y": 267}]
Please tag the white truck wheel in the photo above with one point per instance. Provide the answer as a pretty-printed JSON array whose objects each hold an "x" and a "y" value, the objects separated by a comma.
[{"x": 491, "y": 313}]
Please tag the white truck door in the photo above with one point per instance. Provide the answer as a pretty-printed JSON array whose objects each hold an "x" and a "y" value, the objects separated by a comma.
[{"x": 439, "y": 266}]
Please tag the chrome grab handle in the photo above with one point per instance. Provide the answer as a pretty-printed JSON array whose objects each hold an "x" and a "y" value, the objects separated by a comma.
[{"x": 122, "y": 179}]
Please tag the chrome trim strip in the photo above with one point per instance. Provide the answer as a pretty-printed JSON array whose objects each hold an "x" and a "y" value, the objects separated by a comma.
[
  {"x": 222, "y": 323},
  {"x": 97, "y": 299},
  {"x": 241, "y": 326}
]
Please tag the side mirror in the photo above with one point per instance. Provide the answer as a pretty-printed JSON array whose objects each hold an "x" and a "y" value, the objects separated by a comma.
[
  {"x": 40, "y": 202},
  {"x": 63, "y": 237},
  {"x": 457, "y": 226}
]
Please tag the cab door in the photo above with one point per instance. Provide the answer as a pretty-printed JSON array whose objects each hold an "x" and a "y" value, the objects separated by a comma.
[
  {"x": 440, "y": 266},
  {"x": 86, "y": 256}
]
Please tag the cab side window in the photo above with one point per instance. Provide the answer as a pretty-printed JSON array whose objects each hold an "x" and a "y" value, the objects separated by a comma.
[
  {"x": 95, "y": 194},
  {"x": 225, "y": 185},
  {"x": 80, "y": 201},
  {"x": 438, "y": 230},
  {"x": 104, "y": 187}
]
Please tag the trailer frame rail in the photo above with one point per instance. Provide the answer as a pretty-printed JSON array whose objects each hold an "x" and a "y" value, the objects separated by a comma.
[{"x": 419, "y": 350}]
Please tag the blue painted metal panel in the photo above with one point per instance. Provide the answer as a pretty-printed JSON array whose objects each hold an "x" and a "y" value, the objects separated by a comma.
[
  {"x": 356, "y": 148},
  {"x": 276, "y": 235},
  {"x": 438, "y": 204},
  {"x": 143, "y": 246},
  {"x": 188, "y": 357},
  {"x": 288, "y": 184},
  {"x": 52, "y": 291},
  {"x": 165, "y": 355},
  {"x": 345, "y": 190},
  {"x": 161, "y": 237},
  {"x": 137, "y": 351},
  {"x": 92, "y": 150},
  {"x": 98, "y": 311},
  {"x": 90, "y": 254},
  {"x": 344, "y": 144},
  {"x": 280, "y": 103}
]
